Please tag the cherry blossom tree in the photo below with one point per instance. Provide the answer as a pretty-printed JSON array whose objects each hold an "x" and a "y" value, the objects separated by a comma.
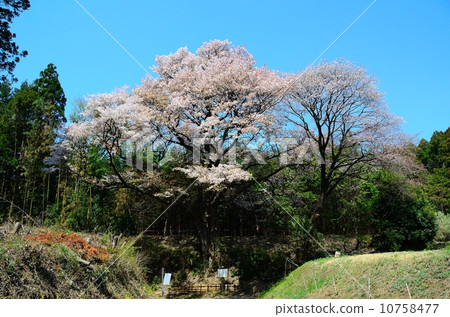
[
  {"x": 209, "y": 100},
  {"x": 337, "y": 107},
  {"x": 201, "y": 104}
]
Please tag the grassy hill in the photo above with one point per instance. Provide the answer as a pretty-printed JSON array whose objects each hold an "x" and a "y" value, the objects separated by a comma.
[{"x": 426, "y": 273}]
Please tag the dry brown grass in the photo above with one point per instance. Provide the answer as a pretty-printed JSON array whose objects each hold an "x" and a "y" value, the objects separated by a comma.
[{"x": 77, "y": 244}]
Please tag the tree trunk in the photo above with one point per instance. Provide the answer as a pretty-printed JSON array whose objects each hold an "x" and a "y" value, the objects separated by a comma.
[
  {"x": 206, "y": 244},
  {"x": 205, "y": 234},
  {"x": 204, "y": 217},
  {"x": 320, "y": 206},
  {"x": 324, "y": 185}
]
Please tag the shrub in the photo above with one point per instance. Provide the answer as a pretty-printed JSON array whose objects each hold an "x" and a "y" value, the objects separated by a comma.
[
  {"x": 402, "y": 218},
  {"x": 254, "y": 262},
  {"x": 443, "y": 227}
]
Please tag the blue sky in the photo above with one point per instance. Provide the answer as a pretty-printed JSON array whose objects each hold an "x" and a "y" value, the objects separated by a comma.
[{"x": 404, "y": 43}]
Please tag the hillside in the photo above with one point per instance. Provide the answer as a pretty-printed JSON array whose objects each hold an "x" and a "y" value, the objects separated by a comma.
[
  {"x": 38, "y": 262},
  {"x": 58, "y": 264},
  {"x": 426, "y": 273}
]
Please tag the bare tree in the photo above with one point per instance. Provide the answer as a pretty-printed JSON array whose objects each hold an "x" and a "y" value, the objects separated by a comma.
[{"x": 339, "y": 109}]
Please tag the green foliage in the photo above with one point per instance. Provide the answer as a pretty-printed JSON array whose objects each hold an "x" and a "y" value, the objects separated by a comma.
[
  {"x": 253, "y": 262},
  {"x": 179, "y": 258},
  {"x": 402, "y": 218},
  {"x": 437, "y": 186},
  {"x": 435, "y": 156},
  {"x": 348, "y": 210},
  {"x": 436, "y": 153},
  {"x": 29, "y": 119},
  {"x": 52, "y": 94},
  {"x": 87, "y": 208},
  {"x": 443, "y": 227},
  {"x": 9, "y": 51},
  {"x": 300, "y": 225},
  {"x": 296, "y": 194}
]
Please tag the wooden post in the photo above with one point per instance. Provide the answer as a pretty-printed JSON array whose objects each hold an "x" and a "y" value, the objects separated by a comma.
[
  {"x": 285, "y": 264},
  {"x": 16, "y": 228},
  {"x": 114, "y": 241},
  {"x": 162, "y": 283},
  {"x": 334, "y": 284}
]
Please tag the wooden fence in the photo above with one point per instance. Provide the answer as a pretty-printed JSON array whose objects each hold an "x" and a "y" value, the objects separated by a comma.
[{"x": 201, "y": 288}]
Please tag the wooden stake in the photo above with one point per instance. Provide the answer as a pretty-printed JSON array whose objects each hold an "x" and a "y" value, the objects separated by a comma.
[
  {"x": 31, "y": 204},
  {"x": 25, "y": 197},
  {"x": 334, "y": 284},
  {"x": 409, "y": 293}
]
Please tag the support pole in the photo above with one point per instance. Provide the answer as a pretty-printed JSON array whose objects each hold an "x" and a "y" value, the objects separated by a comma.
[{"x": 162, "y": 283}]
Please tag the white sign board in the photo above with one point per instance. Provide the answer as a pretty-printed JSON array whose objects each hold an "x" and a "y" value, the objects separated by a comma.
[
  {"x": 167, "y": 278},
  {"x": 222, "y": 272}
]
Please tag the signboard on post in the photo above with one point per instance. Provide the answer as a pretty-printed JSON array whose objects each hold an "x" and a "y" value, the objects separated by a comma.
[
  {"x": 167, "y": 278},
  {"x": 222, "y": 273}
]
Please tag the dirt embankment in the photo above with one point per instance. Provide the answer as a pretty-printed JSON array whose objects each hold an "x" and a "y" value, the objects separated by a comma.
[{"x": 42, "y": 263}]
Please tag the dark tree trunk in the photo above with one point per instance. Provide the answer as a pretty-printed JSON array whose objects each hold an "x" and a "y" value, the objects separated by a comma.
[
  {"x": 324, "y": 187},
  {"x": 205, "y": 232},
  {"x": 205, "y": 217},
  {"x": 206, "y": 246}
]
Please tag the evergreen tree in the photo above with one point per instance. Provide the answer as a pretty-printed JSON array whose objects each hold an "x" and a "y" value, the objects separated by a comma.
[
  {"x": 29, "y": 120},
  {"x": 9, "y": 51},
  {"x": 435, "y": 156}
]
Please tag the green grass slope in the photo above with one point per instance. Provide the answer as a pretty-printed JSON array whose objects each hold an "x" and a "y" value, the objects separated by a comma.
[{"x": 426, "y": 273}]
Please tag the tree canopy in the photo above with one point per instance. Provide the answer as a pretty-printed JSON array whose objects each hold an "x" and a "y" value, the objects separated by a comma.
[
  {"x": 337, "y": 107},
  {"x": 9, "y": 50}
]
